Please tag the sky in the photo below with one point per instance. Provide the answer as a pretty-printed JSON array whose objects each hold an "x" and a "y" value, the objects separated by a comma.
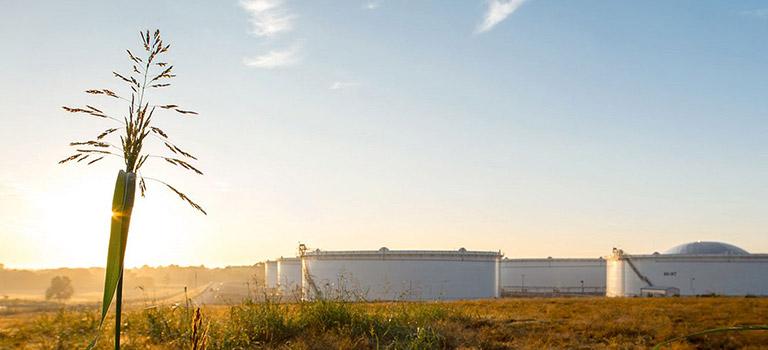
[{"x": 538, "y": 128}]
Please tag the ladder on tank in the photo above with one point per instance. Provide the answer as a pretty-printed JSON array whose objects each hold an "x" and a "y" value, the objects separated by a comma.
[
  {"x": 637, "y": 272},
  {"x": 308, "y": 276}
]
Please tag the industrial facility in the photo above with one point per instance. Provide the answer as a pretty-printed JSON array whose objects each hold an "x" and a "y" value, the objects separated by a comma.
[
  {"x": 289, "y": 276},
  {"x": 698, "y": 268},
  {"x": 552, "y": 276},
  {"x": 401, "y": 274},
  {"x": 270, "y": 274}
]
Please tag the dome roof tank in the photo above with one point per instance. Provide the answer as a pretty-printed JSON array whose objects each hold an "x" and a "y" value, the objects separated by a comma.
[{"x": 706, "y": 248}]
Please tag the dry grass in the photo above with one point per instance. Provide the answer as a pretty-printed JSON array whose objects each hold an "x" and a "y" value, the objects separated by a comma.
[{"x": 556, "y": 323}]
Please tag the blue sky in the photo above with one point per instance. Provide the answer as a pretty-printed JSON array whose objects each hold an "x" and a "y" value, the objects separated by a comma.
[{"x": 539, "y": 128}]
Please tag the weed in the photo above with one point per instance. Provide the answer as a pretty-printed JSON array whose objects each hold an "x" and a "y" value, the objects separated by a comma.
[{"x": 595, "y": 323}]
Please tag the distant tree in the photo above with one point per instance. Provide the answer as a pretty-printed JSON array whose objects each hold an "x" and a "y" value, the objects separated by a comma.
[
  {"x": 60, "y": 289},
  {"x": 2, "y": 266}
]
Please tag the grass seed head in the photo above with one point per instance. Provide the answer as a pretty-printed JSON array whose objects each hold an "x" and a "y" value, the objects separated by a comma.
[{"x": 138, "y": 123}]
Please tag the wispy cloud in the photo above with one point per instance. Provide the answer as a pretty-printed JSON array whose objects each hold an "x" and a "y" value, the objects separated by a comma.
[
  {"x": 372, "y": 5},
  {"x": 756, "y": 13},
  {"x": 274, "y": 59},
  {"x": 498, "y": 10},
  {"x": 268, "y": 17},
  {"x": 338, "y": 85}
]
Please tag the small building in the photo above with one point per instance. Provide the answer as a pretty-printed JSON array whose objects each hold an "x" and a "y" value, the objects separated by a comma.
[
  {"x": 552, "y": 276},
  {"x": 697, "y": 268},
  {"x": 400, "y": 274}
]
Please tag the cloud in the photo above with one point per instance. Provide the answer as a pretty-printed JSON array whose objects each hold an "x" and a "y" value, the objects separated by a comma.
[
  {"x": 274, "y": 59},
  {"x": 338, "y": 85},
  {"x": 372, "y": 5},
  {"x": 498, "y": 10},
  {"x": 756, "y": 13},
  {"x": 268, "y": 17}
]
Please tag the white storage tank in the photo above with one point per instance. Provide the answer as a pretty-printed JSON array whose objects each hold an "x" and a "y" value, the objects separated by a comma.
[
  {"x": 698, "y": 268},
  {"x": 270, "y": 273},
  {"x": 400, "y": 274},
  {"x": 289, "y": 277},
  {"x": 553, "y": 276}
]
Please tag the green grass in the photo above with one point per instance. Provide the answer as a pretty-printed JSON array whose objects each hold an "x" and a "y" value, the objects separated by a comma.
[{"x": 572, "y": 323}]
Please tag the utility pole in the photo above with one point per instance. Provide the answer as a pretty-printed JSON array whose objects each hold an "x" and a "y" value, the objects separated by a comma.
[{"x": 693, "y": 290}]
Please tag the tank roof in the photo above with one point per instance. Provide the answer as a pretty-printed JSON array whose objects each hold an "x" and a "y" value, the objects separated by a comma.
[
  {"x": 551, "y": 259},
  {"x": 288, "y": 259},
  {"x": 706, "y": 248},
  {"x": 386, "y": 252}
]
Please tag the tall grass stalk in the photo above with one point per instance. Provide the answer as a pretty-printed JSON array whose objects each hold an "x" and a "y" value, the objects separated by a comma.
[{"x": 135, "y": 128}]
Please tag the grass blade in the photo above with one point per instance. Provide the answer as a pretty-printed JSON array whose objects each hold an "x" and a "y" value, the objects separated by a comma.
[
  {"x": 711, "y": 331},
  {"x": 122, "y": 206}
]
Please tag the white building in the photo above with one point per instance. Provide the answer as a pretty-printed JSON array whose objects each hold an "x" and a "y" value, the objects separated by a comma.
[
  {"x": 553, "y": 276},
  {"x": 697, "y": 268},
  {"x": 289, "y": 276},
  {"x": 270, "y": 273},
  {"x": 401, "y": 275}
]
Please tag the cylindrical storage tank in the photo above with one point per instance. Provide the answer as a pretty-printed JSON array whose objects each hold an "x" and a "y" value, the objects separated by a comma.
[
  {"x": 270, "y": 273},
  {"x": 614, "y": 276},
  {"x": 400, "y": 274},
  {"x": 289, "y": 277},
  {"x": 553, "y": 276},
  {"x": 699, "y": 268}
]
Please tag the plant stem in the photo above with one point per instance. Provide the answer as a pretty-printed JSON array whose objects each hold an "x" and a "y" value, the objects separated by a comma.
[
  {"x": 118, "y": 309},
  {"x": 125, "y": 217}
]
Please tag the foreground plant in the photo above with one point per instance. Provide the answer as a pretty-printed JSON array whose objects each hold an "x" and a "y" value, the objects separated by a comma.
[
  {"x": 712, "y": 331},
  {"x": 135, "y": 128}
]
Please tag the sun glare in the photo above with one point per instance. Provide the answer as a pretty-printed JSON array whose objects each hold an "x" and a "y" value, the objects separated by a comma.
[{"x": 72, "y": 236}]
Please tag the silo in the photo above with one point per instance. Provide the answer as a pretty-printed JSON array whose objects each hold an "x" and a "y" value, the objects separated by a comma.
[
  {"x": 289, "y": 276},
  {"x": 553, "y": 276},
  {"x": 400, "y": 274},
  {"x": 697, "y": 268},
  {"x": 270, "y": 273}
]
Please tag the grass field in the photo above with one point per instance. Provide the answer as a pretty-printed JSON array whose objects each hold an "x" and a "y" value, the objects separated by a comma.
[{"x": 523, "y": 323}]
